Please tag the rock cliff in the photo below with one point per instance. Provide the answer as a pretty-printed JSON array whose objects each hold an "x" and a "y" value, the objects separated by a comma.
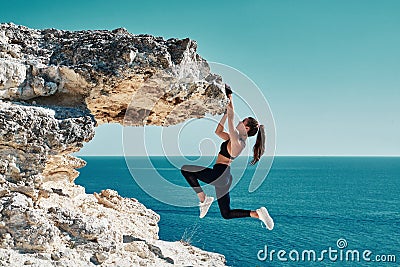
[{"x": 55, "y": 88}]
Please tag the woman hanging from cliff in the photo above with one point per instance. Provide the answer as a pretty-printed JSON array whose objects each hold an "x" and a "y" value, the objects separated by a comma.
[{"x": 220, "y": 175}]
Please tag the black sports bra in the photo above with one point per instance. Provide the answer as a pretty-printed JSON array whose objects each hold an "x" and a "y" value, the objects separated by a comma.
[{"x": 224, "y": 150}]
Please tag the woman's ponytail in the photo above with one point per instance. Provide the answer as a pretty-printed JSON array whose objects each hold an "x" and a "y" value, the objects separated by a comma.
[{"x": 259, "y": 146}]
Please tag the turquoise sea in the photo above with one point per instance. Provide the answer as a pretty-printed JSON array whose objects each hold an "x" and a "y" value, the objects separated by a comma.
[{"x": 347, "y": 206}]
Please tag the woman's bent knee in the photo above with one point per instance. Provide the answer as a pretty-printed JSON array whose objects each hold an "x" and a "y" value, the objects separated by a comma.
[
  {"x": 226, "y": 214},
  {"x": 184, "y": 169}
]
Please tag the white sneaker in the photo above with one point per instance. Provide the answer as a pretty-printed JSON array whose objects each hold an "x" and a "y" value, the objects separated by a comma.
[
  {"x": 263, "y": 215},
  {"x": 204, "y": 206}
]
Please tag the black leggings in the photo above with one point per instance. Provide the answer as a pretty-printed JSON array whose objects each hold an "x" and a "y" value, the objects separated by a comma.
[{"x": 219, "y": 176}]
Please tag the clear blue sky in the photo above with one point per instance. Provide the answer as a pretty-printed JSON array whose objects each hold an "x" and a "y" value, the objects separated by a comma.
[{"x": 329, "y": 69}]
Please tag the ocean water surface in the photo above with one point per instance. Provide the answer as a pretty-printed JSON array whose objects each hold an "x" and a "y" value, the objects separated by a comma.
[{"x": 342, "y": 204}]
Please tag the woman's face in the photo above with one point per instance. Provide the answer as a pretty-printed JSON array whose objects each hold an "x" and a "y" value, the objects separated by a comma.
[{"x": 242, "y": 126}]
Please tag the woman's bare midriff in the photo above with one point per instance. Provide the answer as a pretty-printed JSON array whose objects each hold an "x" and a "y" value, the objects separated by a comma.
[{"x": 223, "y": 160}]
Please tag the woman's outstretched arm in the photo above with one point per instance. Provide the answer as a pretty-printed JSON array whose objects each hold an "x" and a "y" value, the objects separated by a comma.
[
  {"x": 236, "y": 146},
  {"x": 220, "y": 128}
]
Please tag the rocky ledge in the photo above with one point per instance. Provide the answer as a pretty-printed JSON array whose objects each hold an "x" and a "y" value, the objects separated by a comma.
[{"x": 55, "y": 88}]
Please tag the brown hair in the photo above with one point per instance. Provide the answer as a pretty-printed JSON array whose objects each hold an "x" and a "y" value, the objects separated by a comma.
[{"x": 259, "y": 146}]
